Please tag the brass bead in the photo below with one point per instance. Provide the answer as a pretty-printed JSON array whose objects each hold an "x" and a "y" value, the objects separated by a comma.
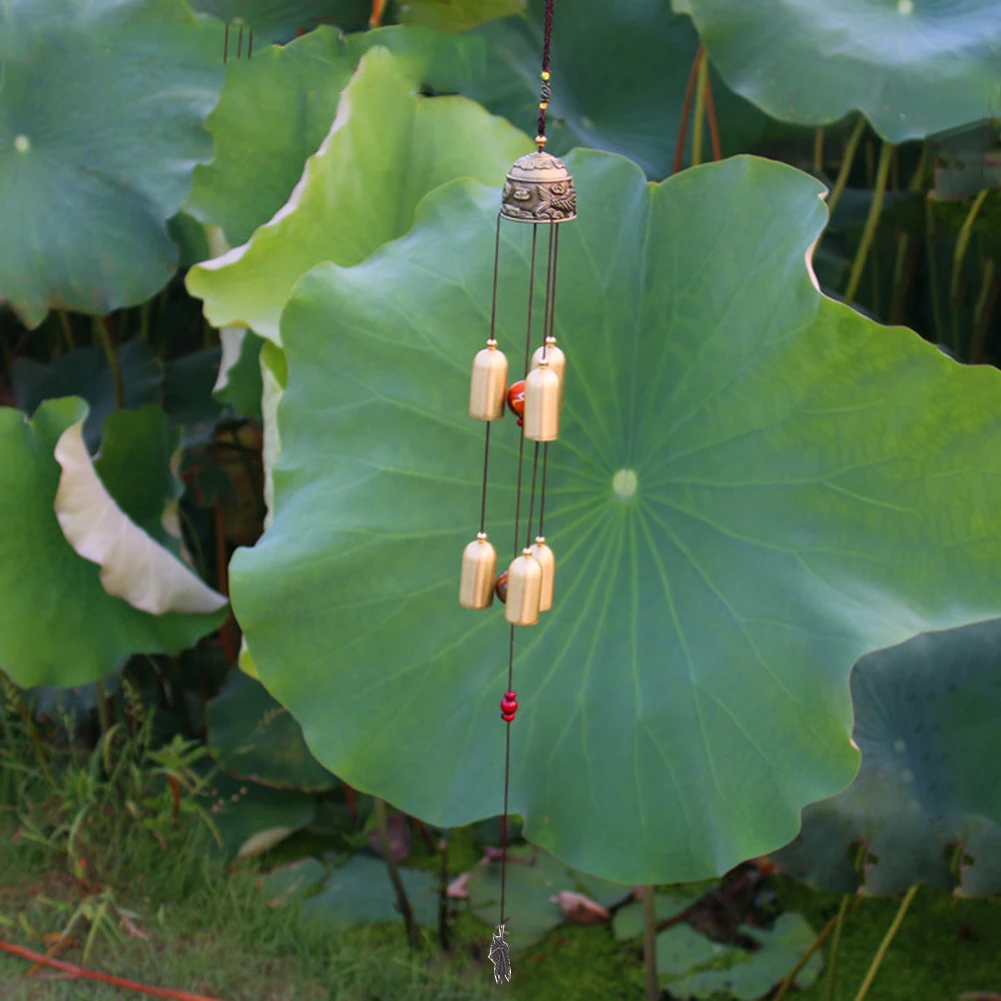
[
  {"x": 488, "y": 385},
  {"x": 540, "y": 141},
  {"x": 545, "y": 74},
  {"x": 542, "y": 403},
  {"x": 545, "y": 558},
  {"x": 479, "y": 573},
  {"x": 557, "y": 362},
  {"x": 524, "y": 590}
]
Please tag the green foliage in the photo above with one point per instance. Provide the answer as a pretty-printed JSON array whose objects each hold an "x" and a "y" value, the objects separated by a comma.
[
  {"x": 912, "y": 68},
  {"x": 78, "y": 161},
  {"x": 725, "y": 586}
]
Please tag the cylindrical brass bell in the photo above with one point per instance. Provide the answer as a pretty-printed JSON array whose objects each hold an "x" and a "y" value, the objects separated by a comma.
[
  {"x": 545, "y": 558},
  {"x": 542, "y": 403},
  {"x": 479, "y": 574},
  {"x": 488, "y": 386},
  {"x": 557, "y": 362},
  {"x": 524, "y": 590}
]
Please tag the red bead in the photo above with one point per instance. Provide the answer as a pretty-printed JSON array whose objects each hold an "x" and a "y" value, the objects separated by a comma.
[
  {"x": 510, "y": 695},
  {"x": 507, "y": 717},
  {"x": 516, "y": 398},
  {"x": 500, "y": 588},
  {"x": 509, "y": 706}
]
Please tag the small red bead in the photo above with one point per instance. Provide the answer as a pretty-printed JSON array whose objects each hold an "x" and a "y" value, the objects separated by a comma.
[
  {"x": 509, "y": 706},
  {"x": 516, "y": 398},
  {"x": 507, "y": 717},
  {"x": 510, "y": 695}
]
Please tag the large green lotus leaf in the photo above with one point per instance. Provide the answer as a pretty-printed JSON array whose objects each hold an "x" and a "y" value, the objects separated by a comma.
[
  {"x": 101, "y": 125},
  {"x": 446, "y": 15},
  {"x": 754, "y": 486},
  {"x": 912, "y": 67},
  {"x": 619, "y": 77},
  {"x": 51, "y": 599},
  {"x": 382, "y": 154},
  {"x": 692, "y": 966},
  {"x": 360, "y": 893},
  {"x": 253, "y": 737},
  {"x": 279, "y": 20},
  {"x": 926, "y": 721}
]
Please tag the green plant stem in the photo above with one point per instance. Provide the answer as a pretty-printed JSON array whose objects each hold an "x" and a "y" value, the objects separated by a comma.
[
  {"x": 930, "y": 237},
  {"x": 650, "y": 943},
  {"x": 832, "y": 960},
  {"x": 804, "y": 959},
  {"x": 818, "y": 150},
  {"x": 64, "y": 322},
  {"x": 846, "y": 164},
  {"x": 102, "y": 335},
  {"x": 903, "y": 268},
  {"x": 382, "y": 822},
  {"x": 700, "y": 110},
  {"x": 982, "y": 311},
  {"x": 871, "y": 222},
  {"x": 14, "y": 697},
  {"x": 144, "y": 320},
  {"x": 959, "y": 258},
  {"x": 884, "y": 946},
  {"x": 103, "y": 716}
]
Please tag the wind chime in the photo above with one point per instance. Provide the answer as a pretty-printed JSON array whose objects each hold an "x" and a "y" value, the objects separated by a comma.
[{"x": 539, "y": 190}]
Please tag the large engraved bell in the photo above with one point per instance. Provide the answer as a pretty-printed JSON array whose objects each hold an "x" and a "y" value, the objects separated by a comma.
[{"x": 539, "y": 188}]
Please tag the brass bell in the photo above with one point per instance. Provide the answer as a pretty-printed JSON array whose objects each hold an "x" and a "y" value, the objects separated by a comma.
[
  {"x": 539, "y": 188},
  {"x": 524, "y": 590},
  {"x": 557, "y": 361},
  {"x": 542, "y": 403},
  {"x": 479, "y": 573},
  {"x": 545, "y": 558},
  {"x": 488, "y": 385}
]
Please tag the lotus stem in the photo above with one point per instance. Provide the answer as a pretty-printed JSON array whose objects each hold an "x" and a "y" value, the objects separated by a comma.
[
  {"x": 959, "y": 258},
  {"x": 982, "y": 311},
  {"x": 382, "y": 822},
  {"x": 846, "y": 164},
  {"x": 103, "y": 335},
  {"x": 650, "y": 943},
  {"x": 711, "y": 116},
  {"x": 871, "y": 222},
  {"x": 686, "y": 108},
  {"x": 64, "y": 322},
  {"x": 805, "y": 958},
  {"x": 818, "y": 150},
  {"x": 832, "y": 962},
  {"x": 884, "y": 946},
  {"x": 903, "y": 269},
  {"x": 700, "y": 109}
]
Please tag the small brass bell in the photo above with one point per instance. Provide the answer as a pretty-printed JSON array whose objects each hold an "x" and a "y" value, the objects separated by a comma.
[
  {"x": 545, "y": 558},
  {"x": 542, "y": 403},
  {"x": 524, "y": 590},
  {"x": 488, "y": 386},
  {"x": 479, "y": 573},
  {"x": 557, "y": 361},
  {"x": 539, "y": 188}
]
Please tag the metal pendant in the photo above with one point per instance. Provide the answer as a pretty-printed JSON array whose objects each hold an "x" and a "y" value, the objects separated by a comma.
[
  {"x": 557, "y": 362},
  {"x": 479, "y": 574},
  {"x": 542, "y": 404},
  {"x": 539, "y": 188},
  {"x": 488, "y": 385},
  {"x": 545, "y": 558},
  {"x": 524, "y": 590}
]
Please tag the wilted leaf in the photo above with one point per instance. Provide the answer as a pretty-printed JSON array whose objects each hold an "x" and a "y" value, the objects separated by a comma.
[{"x": 580, "y": 909}]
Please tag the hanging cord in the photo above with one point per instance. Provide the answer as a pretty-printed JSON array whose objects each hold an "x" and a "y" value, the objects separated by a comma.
[
  {"x": 546, "y": 90},
  {"x": 549, "y": 324}
]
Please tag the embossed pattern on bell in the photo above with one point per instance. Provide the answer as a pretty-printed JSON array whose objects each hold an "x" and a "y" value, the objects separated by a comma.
[{"x": 539, "y": 188}]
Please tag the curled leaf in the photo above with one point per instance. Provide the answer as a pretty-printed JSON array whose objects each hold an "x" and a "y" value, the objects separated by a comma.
[
  {"x": 580, "y": 909},
  {"x": 133, "y": 565}
]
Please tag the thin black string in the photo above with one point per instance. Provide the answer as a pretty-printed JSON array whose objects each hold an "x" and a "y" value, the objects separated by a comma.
[
  {"x": 250, "y": 44},
  {"x": 542, "y": 493},
  {"x": 531, "y": 496},
  {"x": 547, "y": 44},
  {"x": 486, "y": 467},
  {"x": 239, "y": 43},
  {"x": 517, "y": 533}
]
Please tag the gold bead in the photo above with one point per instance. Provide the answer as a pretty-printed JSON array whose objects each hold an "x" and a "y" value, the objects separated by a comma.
[
  {"x": 543, "y": 105},
  {"x": 545, "y": 74},
  {"x": 488, "y": 386},
  {"x": 542, "y": 403},
  {"x": 479, "y": 573},
  {"x": 557, "y": 362},
  {"x": 524, "y": 590},
  {"x": 540, "y": 141},
  {"x": 545, "y": 558}
]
